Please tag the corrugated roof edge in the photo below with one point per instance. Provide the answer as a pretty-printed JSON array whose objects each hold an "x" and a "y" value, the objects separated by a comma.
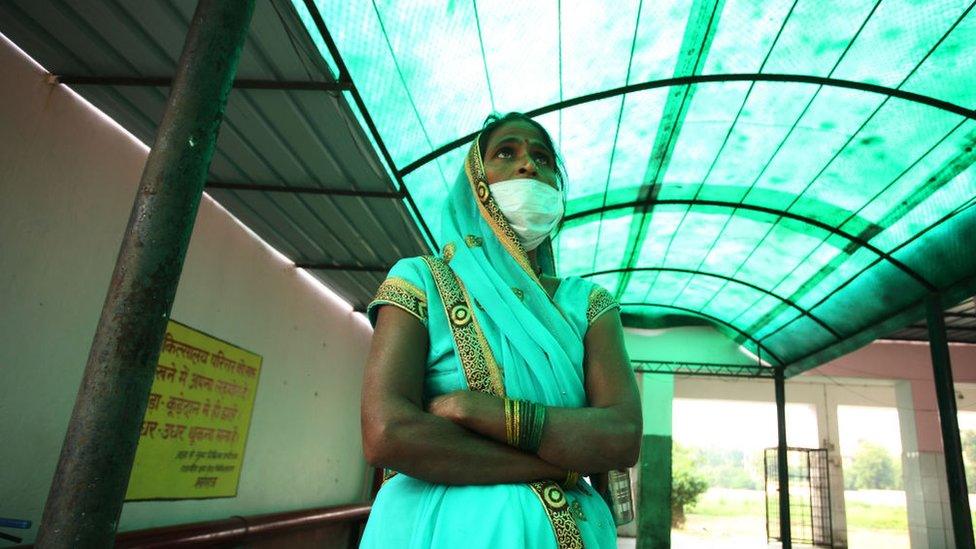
[{"x": 322, "y": 288}]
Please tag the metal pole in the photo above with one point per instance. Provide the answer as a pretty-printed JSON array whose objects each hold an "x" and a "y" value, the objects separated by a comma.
[
  {"x": 962, "y": 523},
  {"x": 784, "y": 478},
  {"x": 83, "y": 506}
]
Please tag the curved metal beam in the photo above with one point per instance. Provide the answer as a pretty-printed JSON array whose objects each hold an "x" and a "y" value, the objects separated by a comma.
[
  {"x": 713, "y": 319},
  {"x": 710, "y": 78},
  {"x": 901, "y": 246},
  {"x": 785, "y": 300},
  {"x": 772, "y": 211}
]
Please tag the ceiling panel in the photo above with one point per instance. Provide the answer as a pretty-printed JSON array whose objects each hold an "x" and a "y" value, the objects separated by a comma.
[
  {"x": 767, "y": 206},
  {"x": 803, "y": 217}
]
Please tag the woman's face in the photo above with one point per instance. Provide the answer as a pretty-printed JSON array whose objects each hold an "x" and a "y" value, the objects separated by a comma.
[{"x": 516, "y": 150}]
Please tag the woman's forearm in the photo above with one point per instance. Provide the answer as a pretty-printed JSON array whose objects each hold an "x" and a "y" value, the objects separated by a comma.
[
  {"x": 589, "y": 440},
  {"x": 435, "y": 449},
  {"x": 593, "y": 440}
]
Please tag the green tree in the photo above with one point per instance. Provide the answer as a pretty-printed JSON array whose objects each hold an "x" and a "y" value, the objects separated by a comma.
[
  {"x": 872, "y": 468},
  {"x": 687, "y": 484},
  {"x": 969, "y": 457},
  {"x": 730, "y": 468}
]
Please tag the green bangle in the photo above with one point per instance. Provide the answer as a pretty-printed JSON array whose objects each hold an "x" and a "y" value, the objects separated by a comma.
[
  {"x": 538, "y": 421},
  {"x": 531, "y": 418},
  {"x": 524, "y": 421}
]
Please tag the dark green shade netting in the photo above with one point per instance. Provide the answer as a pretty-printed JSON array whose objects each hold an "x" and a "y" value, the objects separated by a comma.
[{"x": 800, "y": 174}]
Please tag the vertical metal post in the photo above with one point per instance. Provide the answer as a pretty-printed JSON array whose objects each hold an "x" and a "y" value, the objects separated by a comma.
[
  {"x": 655, "y": 473},
  {"x": 962, "y": 523},
  {"x": 781, "y": 469},
  {"x": 86, "y": 496}
]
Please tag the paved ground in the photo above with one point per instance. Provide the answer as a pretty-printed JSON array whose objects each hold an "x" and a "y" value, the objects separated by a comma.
[
  {"x": 691, "y": 542},
  {"x": 701, "y": 532},
  {"x": 865, "y": 539},
  {"x": 723, "y": 528}
]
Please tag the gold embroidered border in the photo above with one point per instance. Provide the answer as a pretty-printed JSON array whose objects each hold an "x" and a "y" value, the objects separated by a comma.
[
  {"x": 475, "y": 169},
  {"x": 600, "y": 301},
  {"x": 397, "y": 291},
  {"x": 557, "y": 508},
  {"x": 477, "y": 360},
  {"x": 483, "y": 374}
]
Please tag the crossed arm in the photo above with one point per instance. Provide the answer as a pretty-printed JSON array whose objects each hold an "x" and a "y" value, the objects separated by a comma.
[{"x": 460, "y": 437}]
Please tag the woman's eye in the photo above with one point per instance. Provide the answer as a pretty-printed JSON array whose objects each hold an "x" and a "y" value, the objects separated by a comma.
[
  {"x": 504, "y": 152},
  {"x": 542, "y": 159}
]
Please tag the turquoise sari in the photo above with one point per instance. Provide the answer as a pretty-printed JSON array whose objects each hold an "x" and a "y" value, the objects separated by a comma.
[{"x": 519, "y": 343}]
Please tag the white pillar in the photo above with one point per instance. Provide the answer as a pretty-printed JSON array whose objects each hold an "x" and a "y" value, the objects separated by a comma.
[
  {"x": 923, "y": 466},
  {"x": 830, "y": 439}
]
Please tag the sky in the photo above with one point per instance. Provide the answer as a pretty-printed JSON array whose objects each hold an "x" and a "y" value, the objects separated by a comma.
[
  {"x": 868, "y": 423},
  {"x": 747, "y": 426},
  {"x": 751, "y": 426}
]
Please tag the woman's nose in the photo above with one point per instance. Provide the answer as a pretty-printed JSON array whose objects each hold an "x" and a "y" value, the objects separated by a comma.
[{"x": 527, "y": 166}]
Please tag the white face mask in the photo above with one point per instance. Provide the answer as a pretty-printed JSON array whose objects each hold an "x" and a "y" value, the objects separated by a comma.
[{"x": 532, "y": 208}]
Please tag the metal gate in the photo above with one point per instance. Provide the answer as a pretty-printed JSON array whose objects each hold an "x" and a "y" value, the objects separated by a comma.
[{"x": 810, "y": 520}]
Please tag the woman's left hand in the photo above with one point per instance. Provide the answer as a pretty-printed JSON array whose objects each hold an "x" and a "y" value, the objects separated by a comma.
[{"x": 459, "y": 406}]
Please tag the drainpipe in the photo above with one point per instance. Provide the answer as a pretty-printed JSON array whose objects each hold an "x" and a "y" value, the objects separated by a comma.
[{"x": 86, "y": 496}]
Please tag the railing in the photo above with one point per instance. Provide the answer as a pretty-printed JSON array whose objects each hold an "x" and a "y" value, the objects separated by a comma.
[{"x": 236, "y": 530}]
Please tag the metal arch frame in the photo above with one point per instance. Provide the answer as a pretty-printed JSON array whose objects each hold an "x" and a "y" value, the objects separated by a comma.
[
  {"x": 901, "y": 246},
  {"x": 711, "y": 78},
  {"x": 733, "y": 280},
  {"x": 705, "y": 369},
  {"x": 707, "y": 316},
  {"x": 772, "y": 211}
]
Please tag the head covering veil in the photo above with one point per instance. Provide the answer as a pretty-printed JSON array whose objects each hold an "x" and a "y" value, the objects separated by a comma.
[{"x": 538, "y": 349}]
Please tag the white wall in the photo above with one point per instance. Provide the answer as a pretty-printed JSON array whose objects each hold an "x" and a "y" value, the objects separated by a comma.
[
  {"x": 68, "y": 176},
  {"x": 684, "y": 343}
]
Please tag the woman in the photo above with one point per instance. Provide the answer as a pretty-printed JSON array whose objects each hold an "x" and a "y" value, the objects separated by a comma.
[{"x": 491, "y": 384}]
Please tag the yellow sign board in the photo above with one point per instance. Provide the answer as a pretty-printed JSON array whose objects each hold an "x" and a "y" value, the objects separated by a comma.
[{"x": 195, "y": 427}]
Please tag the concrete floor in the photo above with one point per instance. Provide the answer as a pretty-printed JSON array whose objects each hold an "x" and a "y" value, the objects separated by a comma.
[{"x": 688, "y": 542}]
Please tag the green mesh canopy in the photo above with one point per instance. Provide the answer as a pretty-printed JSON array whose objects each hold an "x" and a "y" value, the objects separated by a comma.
[{"x": 799, "y": 174}]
